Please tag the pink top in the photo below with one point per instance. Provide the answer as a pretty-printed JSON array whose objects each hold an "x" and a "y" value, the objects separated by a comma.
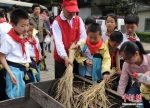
[{"x": 129, "y": 69}]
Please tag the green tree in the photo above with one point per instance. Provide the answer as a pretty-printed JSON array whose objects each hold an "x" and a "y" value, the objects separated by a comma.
[{"x": 125, "y": 6}]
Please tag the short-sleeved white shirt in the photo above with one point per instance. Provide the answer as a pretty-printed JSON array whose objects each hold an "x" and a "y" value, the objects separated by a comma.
[
  {"x": 13, "y": 50},
  {"x": 104, "y": 37},
  {"x": 31, "y": 48},
  {"x": 4, "y": 28}
]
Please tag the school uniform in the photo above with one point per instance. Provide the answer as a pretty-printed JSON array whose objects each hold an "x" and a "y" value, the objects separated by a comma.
[
  {"x": 4, "y": 28},
  {"x": 127, "y": 70},
  {"x": 34, "y": 49},
  {"x": 101, "y": 57},
  {"x": 105, "y": 36},
  {"x": 18, "y": 59}
]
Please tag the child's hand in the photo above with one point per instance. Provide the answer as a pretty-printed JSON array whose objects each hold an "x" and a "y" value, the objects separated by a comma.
[
  {"x": 40, "y": 57},
  {"x": 106, "y": 77},
  {"x": 89, "y": 62},
  {"x": 13, "y": 79},
  {"x": 119, "y": 72}
]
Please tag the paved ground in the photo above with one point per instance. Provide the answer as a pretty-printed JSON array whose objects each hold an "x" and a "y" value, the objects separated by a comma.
[{"x": 48, "y": 75}]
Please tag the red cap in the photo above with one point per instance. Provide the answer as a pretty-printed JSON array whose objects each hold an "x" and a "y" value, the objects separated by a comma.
[
  {"x": 71, "y": 5},
  {"x": 134, "y": 74}
]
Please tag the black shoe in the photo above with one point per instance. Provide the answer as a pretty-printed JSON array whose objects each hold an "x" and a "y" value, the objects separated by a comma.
[
  {"x": 45, "y": 69},
  {"x": 49, "y": 51}
]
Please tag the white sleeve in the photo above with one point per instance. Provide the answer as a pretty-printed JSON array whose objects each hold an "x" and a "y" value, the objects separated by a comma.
[
  {"x": 5, "y": 46},
  {"x": 38, "y": 45},
  {"x": 58, "y": 40},
  {"x": 83, "y": 34}
]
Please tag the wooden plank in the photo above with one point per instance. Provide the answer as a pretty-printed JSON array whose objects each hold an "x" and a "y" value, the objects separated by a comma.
[
  {"x": 43, "y": 99},
  {"x": 19, "y": 103}
]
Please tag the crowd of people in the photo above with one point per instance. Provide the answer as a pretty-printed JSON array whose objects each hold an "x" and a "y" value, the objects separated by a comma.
[{"x": 22, "y": 50}]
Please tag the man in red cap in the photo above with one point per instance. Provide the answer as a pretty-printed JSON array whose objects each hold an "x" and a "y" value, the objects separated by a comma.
[{"x": 67, "y": 28}]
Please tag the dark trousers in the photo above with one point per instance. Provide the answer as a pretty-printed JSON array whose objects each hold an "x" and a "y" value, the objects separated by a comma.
[
  {"x": 2, "y": 86},
  {"x": 60, "y": 69}
]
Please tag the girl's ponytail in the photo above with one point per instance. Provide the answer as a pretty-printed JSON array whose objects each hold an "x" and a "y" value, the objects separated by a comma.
[{"x": 141, "y": 49}]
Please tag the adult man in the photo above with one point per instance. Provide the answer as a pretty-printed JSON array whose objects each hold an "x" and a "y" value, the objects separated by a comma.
[{"x": 67, "y": 28}]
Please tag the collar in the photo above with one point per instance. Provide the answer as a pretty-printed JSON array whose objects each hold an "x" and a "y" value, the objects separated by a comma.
[
  {"x": 144, "y": 63},
  {"x": 134, "y": 36},
  {"x": 63, "y": 17},
  {"x": 39, "y": 17}
]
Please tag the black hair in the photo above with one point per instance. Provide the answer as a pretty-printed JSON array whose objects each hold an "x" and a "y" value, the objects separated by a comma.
[
  {"x": 30, "y": 22},
  {"x": 15, "y": 6},
  {"x": 2, "y": 13},
  {"x": 89, "y": 20},
  {"x": 131, "y": 19},
  {"x": 116, "y": 36},
  {"x": 18, "y": 14},
  {"x": 35, "y": 5},
  {"x": 94, "y": 27},
  {"x": 112, "y": 16},
  {"x": 130, "y": 48}
]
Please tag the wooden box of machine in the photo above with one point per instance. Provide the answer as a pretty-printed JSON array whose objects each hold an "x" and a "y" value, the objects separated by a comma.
[{"x": 40, "y": 95}]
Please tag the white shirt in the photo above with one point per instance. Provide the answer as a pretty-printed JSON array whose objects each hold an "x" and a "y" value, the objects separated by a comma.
[
  {"x": 89, "y": 56},
  {"x": 4, "y": 28},
  {"x": 104, "y": 37},
  {"x": 127, "y": 36},
  {"x": 13, "y": 50},
  {"x": 31, "y": 48},
  {"x": 58, "y": 35}
]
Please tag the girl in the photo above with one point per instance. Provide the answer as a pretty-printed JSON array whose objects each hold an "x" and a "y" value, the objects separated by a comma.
[
  {"x": 111, "y": 25},
  {"x": 136, "y": 60},
  {"x": 35, "y": 50}
]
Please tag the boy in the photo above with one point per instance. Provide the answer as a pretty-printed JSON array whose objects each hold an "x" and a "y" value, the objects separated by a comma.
[
  {"x": 112, "y": 43},
  {"x": 93, "y": 56},
  {"x": 35, "y": 50},
  {"x": 15, "y": 56},
  {"x": 88, "y": 21},
  {"x": 131, "y": 24}
]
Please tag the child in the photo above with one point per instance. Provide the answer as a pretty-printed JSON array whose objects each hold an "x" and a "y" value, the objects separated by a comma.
[
  {"x": 15, "y": 56},
  {"x": 93, "y": 56},
  {"x": 136, "y": 60},
  {"x": 112, "y": 43},
  {"x": 88, "y": 21},
  {"x": 35, "y": 50},
  {"x": 131, "y": 23},
  {"x": 111, "y": 25}
]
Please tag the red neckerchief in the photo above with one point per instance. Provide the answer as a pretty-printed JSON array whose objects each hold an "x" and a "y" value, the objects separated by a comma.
[
  {"x": 35, "y": 49},
  {"x": 2, "y": 20},
  {"x": 19, "y": 40},
  {"x": 132, "y": 39},
  {"x": 94, "y": 48},
  {"x": 112, "y": 54}
]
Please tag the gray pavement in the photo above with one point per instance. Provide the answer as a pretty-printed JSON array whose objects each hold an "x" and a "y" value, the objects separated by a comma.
[{"x": 49, "y": 75}]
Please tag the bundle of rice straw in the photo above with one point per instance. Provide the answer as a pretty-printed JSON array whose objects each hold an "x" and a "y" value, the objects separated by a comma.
[
  {"x": 65, "y": 85},
  {"x": 94, "y": 96}
]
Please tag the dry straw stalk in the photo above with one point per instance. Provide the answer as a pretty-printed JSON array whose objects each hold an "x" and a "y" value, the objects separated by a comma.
[{"x": 64, "y": 93}]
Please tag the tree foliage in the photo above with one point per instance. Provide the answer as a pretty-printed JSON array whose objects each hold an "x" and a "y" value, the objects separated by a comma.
[{"x": 125, "y": 6}]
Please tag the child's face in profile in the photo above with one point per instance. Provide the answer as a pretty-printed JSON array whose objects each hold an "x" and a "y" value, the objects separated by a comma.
[
  {"x": 94, "y": 37},
  {"x": 21, "y": 27},
  {"x": 113, "y": 44},
  {"x": 30, "y": 31},
  {"x": 131, "y": 28},
  {"x": 110, "y": 23}
]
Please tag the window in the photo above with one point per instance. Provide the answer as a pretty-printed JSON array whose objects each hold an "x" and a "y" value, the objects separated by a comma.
[{"x": 147, "y": 24}]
